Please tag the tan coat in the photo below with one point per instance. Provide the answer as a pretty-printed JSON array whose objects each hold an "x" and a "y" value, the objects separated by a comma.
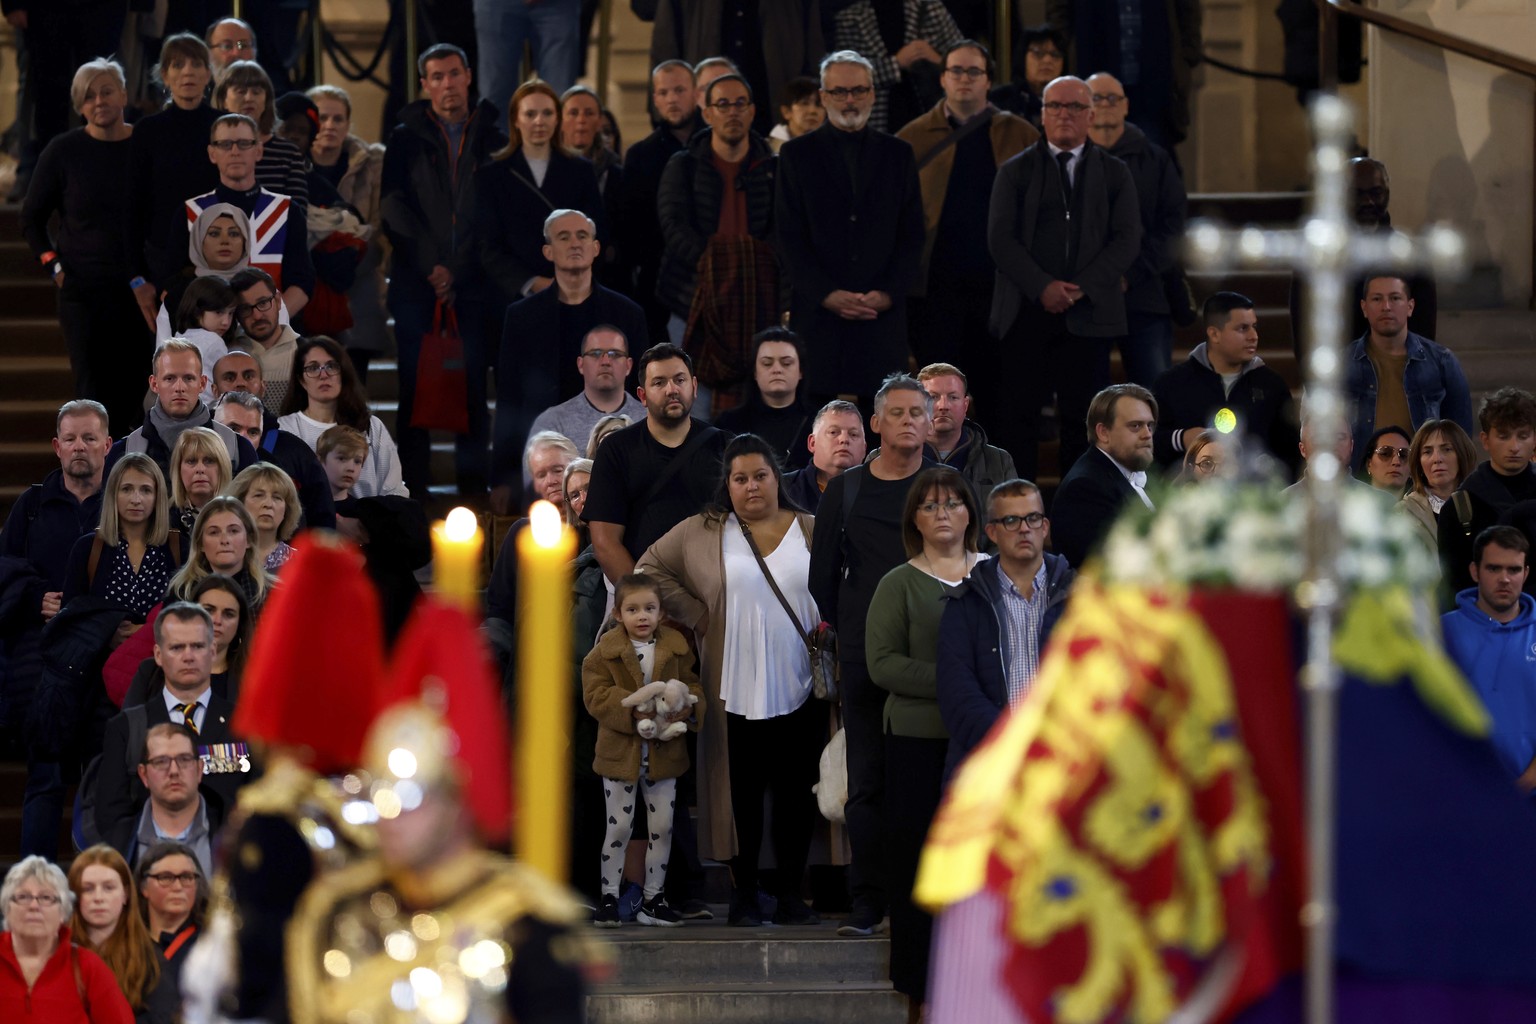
[
  {"x": 610, "y": 672},
  {"x": 1011, "y": 135},
  {"x": 689, "y": 565}
]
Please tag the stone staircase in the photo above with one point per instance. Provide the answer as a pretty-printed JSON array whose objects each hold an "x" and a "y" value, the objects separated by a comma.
[{"x": 709, "y": 973}]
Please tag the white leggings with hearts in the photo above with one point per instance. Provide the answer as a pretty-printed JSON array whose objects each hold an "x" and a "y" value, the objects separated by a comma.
[{"x": 660, "y": 800}]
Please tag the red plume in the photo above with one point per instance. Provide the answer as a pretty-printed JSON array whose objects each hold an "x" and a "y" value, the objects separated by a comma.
[
  {"x": 316, "y": 671},
  {"x": 442, "y": 660}
]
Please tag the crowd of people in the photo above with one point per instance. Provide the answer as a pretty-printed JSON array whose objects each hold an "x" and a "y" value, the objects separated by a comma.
[{"x": 779, "y": 382}]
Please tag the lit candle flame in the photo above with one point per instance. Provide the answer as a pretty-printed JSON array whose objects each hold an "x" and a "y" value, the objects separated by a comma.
[
  {"x": 544, "y": 523},
  {"x": 461, "y": 525}
]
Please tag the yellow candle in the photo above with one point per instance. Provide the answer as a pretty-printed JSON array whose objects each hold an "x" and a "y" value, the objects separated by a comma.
[
  {"x": 543, "y": 779},
  {"x": 456, "y": 560}
]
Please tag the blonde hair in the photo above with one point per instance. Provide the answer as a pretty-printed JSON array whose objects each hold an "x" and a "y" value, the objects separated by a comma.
[
  {"x": 88, "y": 73},
  {"x": 128, "y": 951},
  {"x": 195, "y": 442},
  {"x": 280, "y": 481},
  {"x": 158, "y": 530},
  {"x": 197, "y": 566},
  {"x": 174, "y": 345},
  {"x": 341, "y": 438},
  {"x": 331, "y": 92}
]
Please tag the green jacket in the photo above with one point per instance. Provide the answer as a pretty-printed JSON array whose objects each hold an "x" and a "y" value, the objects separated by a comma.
[{"x": 901, "y": 644}]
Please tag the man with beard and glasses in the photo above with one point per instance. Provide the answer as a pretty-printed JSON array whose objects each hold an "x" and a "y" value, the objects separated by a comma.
[
  {"x": 849, "y": 219},
  {"x": 43, "y": 525}
]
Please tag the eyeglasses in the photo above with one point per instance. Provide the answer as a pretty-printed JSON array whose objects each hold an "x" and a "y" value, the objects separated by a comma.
[
  {"x": 330, "y": 369},
  {"x": 1034, "y": 521},
  {"x": 163, "y": 763},
  {"x": 931, "y": 508},
  {"x": 726, "y": 106},
  {"x": 170, "y": 878},
  {"x": 1207, "y": 466},
  {"x": 228, "y": 144},
  {"x": 599, "y": 353},
  {"x": 1064, "y": 108},
  {"x": 1386, "y": 451},
  {"x": 230, "y": 45},
  {"x": 1107, "y": 99},
  {"x": 42, "y": 899},
  {"x": 259, "y": 306},
  {"x": 1045, "y": 53},
  {"x": 971, "y": 73},
  {"x": 856, "y": 92}
]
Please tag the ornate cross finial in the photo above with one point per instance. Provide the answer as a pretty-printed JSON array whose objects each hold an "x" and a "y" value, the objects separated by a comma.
[{"x": 1329, "y": 250}]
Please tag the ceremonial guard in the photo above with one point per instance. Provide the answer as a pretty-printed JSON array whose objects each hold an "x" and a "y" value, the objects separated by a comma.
[
  {"x": 433, "y": 927},
  {"x": 306, "y": 706}
]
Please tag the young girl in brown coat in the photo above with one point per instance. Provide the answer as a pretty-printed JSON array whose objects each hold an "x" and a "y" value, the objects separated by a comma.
[{"x": 642, "y": 650}]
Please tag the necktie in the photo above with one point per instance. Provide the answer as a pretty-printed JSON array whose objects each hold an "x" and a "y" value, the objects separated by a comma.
[
  {"x": 1065, "y": 160},
  {"x": 189, "y": 715}
]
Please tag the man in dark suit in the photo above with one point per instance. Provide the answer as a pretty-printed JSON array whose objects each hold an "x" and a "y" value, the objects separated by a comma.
[
  {"x": 184, "y": 652},
  {"x": 541, "y": 344},
  {"x": 1064, "y": 230},
  {"x": 850, "y": 232},
  {"x": 1121, "y": 419}
]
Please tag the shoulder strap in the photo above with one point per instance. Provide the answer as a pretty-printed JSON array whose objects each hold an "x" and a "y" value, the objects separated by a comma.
[
  {"x": 852, "y": 476},
  {"x": 269, "y": 441},
  {"x": 746, "y": 532},
  {"x": 956, "y": 134},
  {"x": 95, "y": 560},
  {"x": 531, "y": 187},
  {"x": 179, "y": 941},
  {"x": 1463, "y": 503},
  {"x": 136, "y": 442}
]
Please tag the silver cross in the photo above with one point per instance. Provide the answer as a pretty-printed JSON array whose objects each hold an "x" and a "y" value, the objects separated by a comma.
[{"x": 1329, "y": 251}]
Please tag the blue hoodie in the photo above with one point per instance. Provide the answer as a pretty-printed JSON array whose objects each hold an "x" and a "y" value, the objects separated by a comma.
[{"x": 1499, "y": 660}]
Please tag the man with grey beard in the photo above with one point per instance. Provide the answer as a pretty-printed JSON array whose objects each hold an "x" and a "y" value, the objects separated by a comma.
[{"x": 850, "y": 228}]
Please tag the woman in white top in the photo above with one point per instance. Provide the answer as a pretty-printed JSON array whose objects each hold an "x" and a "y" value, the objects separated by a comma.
[
  {"x": 767, "y": 731},
  {"x": 323, "y": 391}
]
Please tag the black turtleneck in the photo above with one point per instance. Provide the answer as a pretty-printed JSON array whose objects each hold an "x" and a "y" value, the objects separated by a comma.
[{"x": 167, "y": 165}]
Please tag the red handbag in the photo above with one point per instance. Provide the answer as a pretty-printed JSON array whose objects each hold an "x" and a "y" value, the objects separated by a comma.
[{"x": 442, "y": 383}]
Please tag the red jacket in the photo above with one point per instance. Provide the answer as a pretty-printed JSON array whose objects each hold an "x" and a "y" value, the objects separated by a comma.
[{"x": 60, "y": 995}]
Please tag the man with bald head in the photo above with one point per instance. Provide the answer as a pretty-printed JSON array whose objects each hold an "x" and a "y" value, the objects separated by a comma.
[
  {"x": 1064, "y": 229},
  {"x": 1147, "y": 350},
  {"x": 237, "y": 390}
]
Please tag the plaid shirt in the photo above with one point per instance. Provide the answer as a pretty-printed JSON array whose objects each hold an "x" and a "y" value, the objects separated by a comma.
[
  {"x": 1021, "y": 618},
  {"x": 857, "y": 29}
]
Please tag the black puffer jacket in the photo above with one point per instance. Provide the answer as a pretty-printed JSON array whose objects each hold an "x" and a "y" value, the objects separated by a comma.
[
  {"x": 688, "y": 204},
  {"x": 74, "y": 647}
]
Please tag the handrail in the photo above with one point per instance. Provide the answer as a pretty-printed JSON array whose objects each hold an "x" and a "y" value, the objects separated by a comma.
[
  {"x": 1331, "y": 9},
  {"x": 1329, "y": 12}
]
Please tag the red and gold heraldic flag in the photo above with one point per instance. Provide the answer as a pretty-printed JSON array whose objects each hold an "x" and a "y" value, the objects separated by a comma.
[{"x": 1136, "y": 823}]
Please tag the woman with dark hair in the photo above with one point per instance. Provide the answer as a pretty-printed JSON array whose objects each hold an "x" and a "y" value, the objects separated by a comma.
[
  {"x": 762, "y": 732},
  {"x": 79, "y": 179},
  {"x": 939, "y": 529},
  {"x": 323, "y": 391},
  {"x": 227, "y": 603},
  {"x": 175, "y": 902},
  {"x": 1039, "y": 55},
  {"x": 167, "y": 165},
  {"x": 1385, "y": 462},
  {"x": 245, "y": 89},
  {"x": 108, "y": 921},
  {"x": 1440, "y": 458},
  {"x": 522, "y": 185}
]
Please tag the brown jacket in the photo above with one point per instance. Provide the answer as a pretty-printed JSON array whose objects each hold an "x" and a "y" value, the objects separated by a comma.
[
  {"x": 609, "y": 673},
  {"x": 1010, "y": 134},
  {"x": 688, "y": 563}
]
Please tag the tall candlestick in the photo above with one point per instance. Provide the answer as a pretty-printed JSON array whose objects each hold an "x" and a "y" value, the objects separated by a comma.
[
  {"x": 543, "y": 778},
  {"x": 456, "y": 547}
]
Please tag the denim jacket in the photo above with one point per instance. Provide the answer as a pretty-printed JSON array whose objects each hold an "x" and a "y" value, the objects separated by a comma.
[{"x": 1432, "y": 379}]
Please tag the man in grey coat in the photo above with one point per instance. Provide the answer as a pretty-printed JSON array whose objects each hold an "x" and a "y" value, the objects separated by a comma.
[{"x": 1064, "y": 228}]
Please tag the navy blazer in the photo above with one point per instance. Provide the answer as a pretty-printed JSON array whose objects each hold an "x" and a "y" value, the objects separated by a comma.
[
  {"x": 510, "y": 210},
  {"x": 1086, "y": 503},
  {"x": 832, "y": 234}
]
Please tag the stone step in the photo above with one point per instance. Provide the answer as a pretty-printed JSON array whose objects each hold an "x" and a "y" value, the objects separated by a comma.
[
  {"x": 29, "y": 297},
  {"x": 28, "y": 420},
  {"x": 28, "y": 377},
  {"x": 16, "y": 259},
  {"x": 747, "y": 956},
  {"x": 1267, "y": 208},
  {"x": 711, "y": 1003},
  {"x": 28, "y": 460},
  {"x": 33, "y": 336}
]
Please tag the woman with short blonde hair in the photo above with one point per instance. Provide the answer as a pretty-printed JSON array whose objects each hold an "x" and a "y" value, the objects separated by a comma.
[
  {"x": 273, "y": 502},
  {"x": 200, "y": 469}
]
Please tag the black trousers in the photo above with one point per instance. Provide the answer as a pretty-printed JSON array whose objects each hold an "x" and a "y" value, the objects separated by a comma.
[
  {"x": 110, "y": 348},
  {"x": 914, "y": 785},
  {"x": 779, "y": 756},
  {"x": 949, "y": 323},
  {"x": 863, "y": 710},
  {"x": 1035, "y": 358}
]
